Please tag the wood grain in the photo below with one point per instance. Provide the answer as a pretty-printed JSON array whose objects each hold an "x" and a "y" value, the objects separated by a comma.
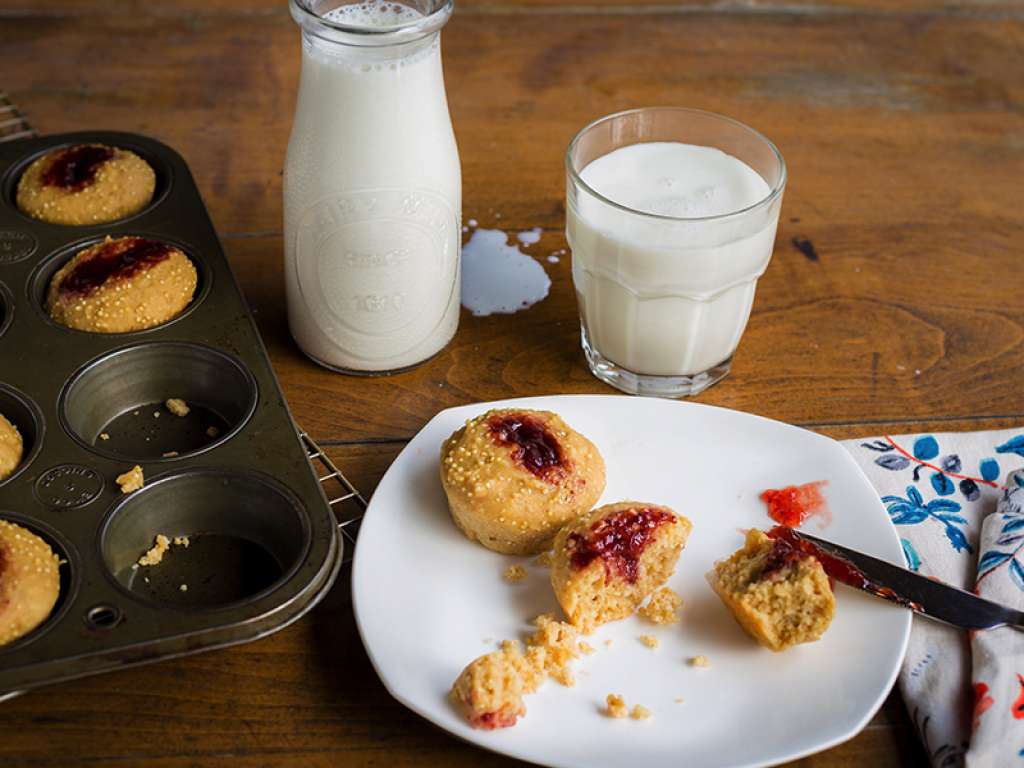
[{"x": 900, "y": 121}]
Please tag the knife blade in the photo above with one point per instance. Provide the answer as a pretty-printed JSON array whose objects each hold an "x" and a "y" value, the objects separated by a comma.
[{"x": 921, "y": 594}]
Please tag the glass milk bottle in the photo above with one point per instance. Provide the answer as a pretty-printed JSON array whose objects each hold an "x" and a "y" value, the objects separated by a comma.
[{"x": 372, "y": 187}]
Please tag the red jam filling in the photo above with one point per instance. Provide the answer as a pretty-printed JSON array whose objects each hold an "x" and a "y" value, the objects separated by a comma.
[
  {"x": 533, "y": 445},
  {"x": 619, "y": 541},
  {"x": 789, "y": 548},
  {"x": 491, "y": 721},
  {"x": 793, "y": 505},
  {"x": 117, "y": 259},
  {"x": 75, "y": 168}
]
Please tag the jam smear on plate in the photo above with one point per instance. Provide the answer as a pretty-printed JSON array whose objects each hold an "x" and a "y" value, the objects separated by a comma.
[
  {"x": 75, "y": 168},
  {"x": 791, "y": 506},
  {"x": 116, "y": 259},
  {"x": 534, "y": 446},
  {"x": 619, "y": 540}
]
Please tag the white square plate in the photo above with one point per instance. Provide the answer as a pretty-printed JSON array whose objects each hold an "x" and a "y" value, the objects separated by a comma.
[{"x": 428, "y": 600}]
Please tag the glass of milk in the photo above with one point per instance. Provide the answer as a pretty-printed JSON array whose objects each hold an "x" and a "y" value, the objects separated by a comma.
[
  {"x": 372, "y": 187},
  {"x": 671, "y": 217}
]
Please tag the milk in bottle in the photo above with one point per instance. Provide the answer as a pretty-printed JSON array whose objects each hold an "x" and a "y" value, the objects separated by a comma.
[{"x": 372, "y": 187}]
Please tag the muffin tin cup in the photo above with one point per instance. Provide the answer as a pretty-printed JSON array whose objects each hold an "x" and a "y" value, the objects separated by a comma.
[
  {"x": 223, "y": 516},
  {"x": 264, "y": 544},
  {"x": 115, "y": 405}
]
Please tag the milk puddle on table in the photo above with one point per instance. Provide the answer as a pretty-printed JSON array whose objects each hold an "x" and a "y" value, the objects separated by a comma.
[{"x": 498, "y": 278}]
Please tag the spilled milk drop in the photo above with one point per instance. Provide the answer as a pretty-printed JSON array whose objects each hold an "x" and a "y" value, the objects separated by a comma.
[{"x": 498, "y": 278}]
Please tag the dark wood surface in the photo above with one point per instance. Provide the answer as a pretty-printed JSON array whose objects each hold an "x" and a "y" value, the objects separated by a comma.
[{"x": 901, "y": 122}]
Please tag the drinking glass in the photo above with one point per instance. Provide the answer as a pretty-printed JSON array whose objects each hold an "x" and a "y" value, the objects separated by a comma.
[{"x": 664, "y": 300}]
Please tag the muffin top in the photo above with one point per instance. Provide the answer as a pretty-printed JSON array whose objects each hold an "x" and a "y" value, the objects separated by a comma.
[{"x": 85, "y": 184}]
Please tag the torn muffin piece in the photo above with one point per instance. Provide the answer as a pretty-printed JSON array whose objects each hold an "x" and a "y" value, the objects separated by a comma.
[{"x": 489, "y": 691}]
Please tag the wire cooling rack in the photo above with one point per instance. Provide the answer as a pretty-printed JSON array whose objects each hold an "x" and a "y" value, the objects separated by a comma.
[
  {"x": 13, "y": 123},
  {"x": 346, "y": 502}
]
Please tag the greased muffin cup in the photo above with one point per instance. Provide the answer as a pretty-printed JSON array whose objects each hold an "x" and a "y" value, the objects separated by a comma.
[{"x": 194, "y": 403}]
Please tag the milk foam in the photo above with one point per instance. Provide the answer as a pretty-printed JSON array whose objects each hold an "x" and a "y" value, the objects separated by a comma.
[
  {"x": 674, "y": 179},
  {"x": 373, "y": 13}
]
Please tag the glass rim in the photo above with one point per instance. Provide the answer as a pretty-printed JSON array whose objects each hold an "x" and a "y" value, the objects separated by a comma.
[
  {"x": 358, "y": 34},
  {"x": 773, "y": 193}
]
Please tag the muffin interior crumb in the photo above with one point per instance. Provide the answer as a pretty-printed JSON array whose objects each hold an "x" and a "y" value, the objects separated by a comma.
[
  {"x": 615, "y": 706},
  {"x": 514, "y": 573},
  {"x": 663, "y": 607}
]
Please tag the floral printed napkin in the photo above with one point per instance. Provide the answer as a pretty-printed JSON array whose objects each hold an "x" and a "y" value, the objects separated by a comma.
[{"x": 958, "y": 506}]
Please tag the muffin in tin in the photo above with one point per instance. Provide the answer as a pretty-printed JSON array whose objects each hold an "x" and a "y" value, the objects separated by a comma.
[
  {"x": 29, "y": 581},
  {"x": 122, "y": 285},
  {"x": 85, "y": 184},
  {"x": 12, "y": 448}
]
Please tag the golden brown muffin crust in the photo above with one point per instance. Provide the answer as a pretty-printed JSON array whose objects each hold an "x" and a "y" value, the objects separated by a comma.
[
  {"x": 29, "y": 581},
  {"x": 85, "y": 184},
  {"x": 12, "y": 448},
  {"x": 514, "y": 477},
  {"x": 122, "y": 285}
]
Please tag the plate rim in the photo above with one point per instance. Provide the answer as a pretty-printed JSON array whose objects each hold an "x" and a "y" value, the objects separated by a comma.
[{"x": 483, "y": 406}]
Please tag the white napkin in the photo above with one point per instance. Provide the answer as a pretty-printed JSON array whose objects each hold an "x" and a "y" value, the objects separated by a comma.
[{"x": 942, "y": 491}]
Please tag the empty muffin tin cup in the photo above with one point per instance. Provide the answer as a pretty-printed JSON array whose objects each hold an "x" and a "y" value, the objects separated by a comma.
[
  {"x": 233, "y": 537},
  {"x": 27, "y": 418},
  {"x": 117, "y": 405}
]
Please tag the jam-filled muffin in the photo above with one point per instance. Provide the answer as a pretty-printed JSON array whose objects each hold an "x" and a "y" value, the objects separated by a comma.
[
  {"x": 11, "y": 448},
  {"x": 779, "y": 594},
  {"x": 122, "y": 285},
  {"x": 514, "y": 477},
  {"x": 85, "y": 184},
  {"x": 611, "y": 560},
  {"x": 29, "y": 581}
]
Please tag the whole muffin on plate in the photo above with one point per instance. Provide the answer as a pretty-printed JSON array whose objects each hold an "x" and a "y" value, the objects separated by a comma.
[
  {"x": 122, "y": 285},
  {"x": 85, "y": 184},
  {"x": 514, "y": 477},
  {"x": 780, "y": 595},
  {"x": 611, "y": 560},
  {"x": 12, "y": 448},
  {"x": 29, "y": 581}
]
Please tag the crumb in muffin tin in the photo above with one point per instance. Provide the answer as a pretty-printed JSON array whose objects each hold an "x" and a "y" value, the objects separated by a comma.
[{"x": 177, "y": 406}]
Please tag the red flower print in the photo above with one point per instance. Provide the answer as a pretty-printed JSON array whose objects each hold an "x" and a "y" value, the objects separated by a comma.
[
  {"x": 1018, "y": 705},
  {"x": 982, "y": 701}
]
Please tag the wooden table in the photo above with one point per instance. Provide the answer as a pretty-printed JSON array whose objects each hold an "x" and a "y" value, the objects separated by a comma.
[{"x": 901, "y": 122}]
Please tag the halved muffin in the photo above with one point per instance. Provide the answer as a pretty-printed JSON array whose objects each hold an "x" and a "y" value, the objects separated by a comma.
[
  {"x": 611, "y": 560},
  {"x": 779, "y": 594}
]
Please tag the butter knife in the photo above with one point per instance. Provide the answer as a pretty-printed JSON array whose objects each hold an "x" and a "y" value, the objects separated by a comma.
[{"x": 911, "y": 590}]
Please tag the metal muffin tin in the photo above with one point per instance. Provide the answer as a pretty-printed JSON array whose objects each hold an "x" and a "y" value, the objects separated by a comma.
[{"x": 264, "y": 544}]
